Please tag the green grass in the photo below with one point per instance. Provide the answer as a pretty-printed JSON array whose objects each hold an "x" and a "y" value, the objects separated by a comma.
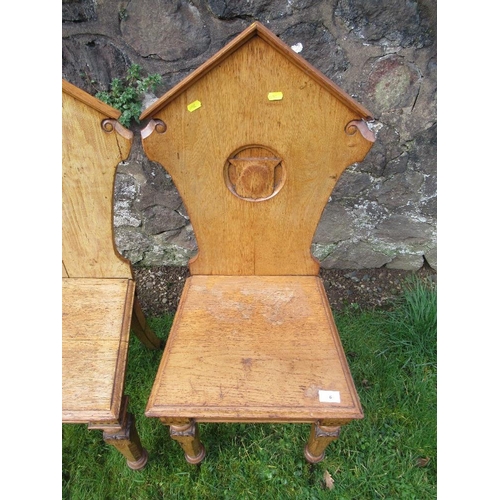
[{"x": 390, "y": 454}]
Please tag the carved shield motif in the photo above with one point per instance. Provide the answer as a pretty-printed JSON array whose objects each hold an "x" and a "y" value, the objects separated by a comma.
[{"x": 254, "y": 173}]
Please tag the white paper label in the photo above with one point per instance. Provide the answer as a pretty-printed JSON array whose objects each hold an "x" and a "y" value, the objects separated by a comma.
[{"x": 329, "y": 396}]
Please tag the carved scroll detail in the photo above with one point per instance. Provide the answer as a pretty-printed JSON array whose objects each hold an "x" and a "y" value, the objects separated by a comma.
[
  {"x": 154, "y": 125},
  {"x": 109, "y": 125},
  {"x": 360, "y": 125}
]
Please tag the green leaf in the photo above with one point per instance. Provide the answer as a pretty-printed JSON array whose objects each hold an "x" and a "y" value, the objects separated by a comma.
[{"x": 125, "y": 94}]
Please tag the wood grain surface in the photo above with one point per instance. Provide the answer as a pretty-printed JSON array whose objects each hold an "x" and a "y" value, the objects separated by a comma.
[
  {"x": 306, "y": 129},
  {"x": 90, "y": 156},
  {"x": 96, "y": 330},
  {"x": 253, "y": 349}
]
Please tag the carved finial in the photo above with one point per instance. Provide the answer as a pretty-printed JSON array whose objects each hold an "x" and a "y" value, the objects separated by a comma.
[{"x": 353, "y": 126}]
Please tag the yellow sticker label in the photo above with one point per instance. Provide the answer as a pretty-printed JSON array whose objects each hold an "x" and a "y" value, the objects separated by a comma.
[
  {"x": 194, "y": 106},
  {"x": 275, "y": 96}
]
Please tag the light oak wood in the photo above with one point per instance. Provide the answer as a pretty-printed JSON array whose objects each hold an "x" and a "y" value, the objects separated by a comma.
[
  {"x": 307, "y": 129},
  {"x": 98, "y": 290},
  {"x": 127, "y": 442},
  {"x": 141, "y": 328},
  {"x": 253, "y": 348},
  {"x": 253, "y": 31},
  {"x": 255, "y": 140},
  {"x": 320, "y": 437},
  {"x": 90, "y": 156},
  {"x": 96, "y": 325},
  {"x": 188, "y": 437}
]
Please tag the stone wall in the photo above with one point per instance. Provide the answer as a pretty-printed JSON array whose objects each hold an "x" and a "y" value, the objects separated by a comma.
[{"x": 382, "y": 211}]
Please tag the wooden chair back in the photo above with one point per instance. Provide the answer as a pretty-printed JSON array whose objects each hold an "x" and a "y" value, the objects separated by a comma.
[
  {"x": 255, "y": 154},
  {"x": 89, "y": 165}
]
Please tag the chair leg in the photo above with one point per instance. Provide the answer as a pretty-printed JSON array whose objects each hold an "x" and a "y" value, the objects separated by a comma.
[
  {"x": 188, "y": 437},
  {"x": 122, "y": 434},
  {"x": 321, "y": 436},
  {"x": 142, "y": 330},
  {"x": 126, "y": 440}
]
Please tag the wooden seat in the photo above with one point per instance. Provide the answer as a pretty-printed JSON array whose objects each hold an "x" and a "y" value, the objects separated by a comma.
[
  {"x": 98, "y": 291},
  {"x": 255, "y": 140},
  {"x": 262, "y": 346}
]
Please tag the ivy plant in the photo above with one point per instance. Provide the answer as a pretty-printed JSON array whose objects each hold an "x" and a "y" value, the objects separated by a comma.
[{"x": 126, "y": 94}]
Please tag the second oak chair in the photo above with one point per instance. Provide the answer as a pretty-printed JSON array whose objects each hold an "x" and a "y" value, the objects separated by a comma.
[{"x": 99, "y": 306}]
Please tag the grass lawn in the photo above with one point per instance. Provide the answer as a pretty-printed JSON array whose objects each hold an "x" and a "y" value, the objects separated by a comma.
[{"x": 390, "y": 454}]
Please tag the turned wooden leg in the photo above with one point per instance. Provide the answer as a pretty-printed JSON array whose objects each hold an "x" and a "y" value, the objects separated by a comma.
[
  {"x": 122, "y": 434},
  {"x": 321, "y": 436},
  {"x": 142, "y": 330},
  {"x": 128, "y": 443},
  {"x": 188, "y": 437}
]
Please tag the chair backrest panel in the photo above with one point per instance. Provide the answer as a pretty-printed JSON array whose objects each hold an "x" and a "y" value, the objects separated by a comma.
[
  {"x": 256, "y": 162},
  {"x": 91, "y": 151}
]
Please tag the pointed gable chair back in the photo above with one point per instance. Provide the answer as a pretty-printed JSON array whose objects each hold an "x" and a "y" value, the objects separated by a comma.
[{"x": 257, "y": 159}]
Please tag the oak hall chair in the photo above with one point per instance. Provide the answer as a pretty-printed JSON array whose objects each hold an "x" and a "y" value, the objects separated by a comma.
[
  {"x": 255, "y": 140},
  {"x": 98, "y": 289}
]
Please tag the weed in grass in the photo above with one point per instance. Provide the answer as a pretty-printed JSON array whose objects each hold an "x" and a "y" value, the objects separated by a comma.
[
  {"x": 415, "y": 323},
  {"x": 390, "y": 454}
]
